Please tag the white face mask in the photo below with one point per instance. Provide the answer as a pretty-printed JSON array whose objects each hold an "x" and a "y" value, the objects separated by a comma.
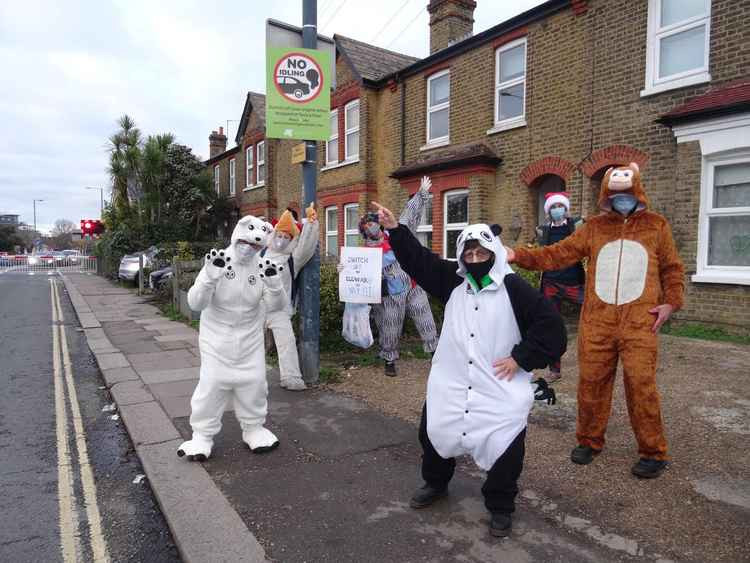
[
  {"x": 244, "y": 250},
  {"x": 280, "y": 243}
]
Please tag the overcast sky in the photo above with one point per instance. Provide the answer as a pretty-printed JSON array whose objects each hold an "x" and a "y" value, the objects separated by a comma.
[{"x": 70, "y": 69}]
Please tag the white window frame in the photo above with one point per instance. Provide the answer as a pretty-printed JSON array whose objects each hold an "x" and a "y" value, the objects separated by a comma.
[
  {"x": 653, "y": 83},
  {"x": 739, "y": 274},
  {"x": 232, "y": 176},
  {"x": 249, "y": 164},
  {"x": 452, "y": 226},
  {"x": 444, "y": 140},
  {"x": 347, "y": 230},
  {"x": 217, "y": 179},
  {"x": 334, "y": 136},
  {"x": 512, "y": 122},
  {"x": 347, "y": 131},
  {"x": 260, "y": 148},
  {"x": 427, "y": 227},
  {"x": 332, "y": 232}
]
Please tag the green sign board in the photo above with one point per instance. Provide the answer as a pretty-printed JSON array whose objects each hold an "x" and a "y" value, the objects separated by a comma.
[{"x": 298, "y": 94}]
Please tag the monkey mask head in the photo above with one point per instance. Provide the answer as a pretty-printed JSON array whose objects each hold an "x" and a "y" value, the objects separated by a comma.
[{"x": 622, "y": 183}]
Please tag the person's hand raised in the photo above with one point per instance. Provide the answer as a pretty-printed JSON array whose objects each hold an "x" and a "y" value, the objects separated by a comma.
[{"x": 385, "y": 217}]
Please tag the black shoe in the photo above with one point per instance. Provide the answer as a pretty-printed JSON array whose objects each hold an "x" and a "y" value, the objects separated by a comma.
[
  {"x": 500, "y": 524},
  {"x": 583, "y": 455},
  {"x": 390, "y": 369},
  {"x": 648, "y": 468},
  {"x": 426, "y": 495}
]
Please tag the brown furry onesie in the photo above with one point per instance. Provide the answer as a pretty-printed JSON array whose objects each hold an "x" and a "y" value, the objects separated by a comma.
[{"x": 633, "y": 266}]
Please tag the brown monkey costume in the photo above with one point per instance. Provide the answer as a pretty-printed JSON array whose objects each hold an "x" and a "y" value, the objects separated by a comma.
[{"x": 633, "y": 267}]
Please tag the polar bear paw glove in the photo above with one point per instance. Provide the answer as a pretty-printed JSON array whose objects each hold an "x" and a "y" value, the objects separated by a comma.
[
  {"x": 268, "y": 273},
  {"x": 217, "y": 263}
]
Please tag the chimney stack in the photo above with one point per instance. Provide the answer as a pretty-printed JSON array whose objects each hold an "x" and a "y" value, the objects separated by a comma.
[
  {"x": 450, "y": 21},
  {"x": 217, "y": 143}
]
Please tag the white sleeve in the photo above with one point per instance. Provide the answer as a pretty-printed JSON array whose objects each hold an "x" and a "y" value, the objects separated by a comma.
[
  {"x": 274, "y": 299},
  {"x": 308, "y": 240},
  {"x": 199, "y": 296}
]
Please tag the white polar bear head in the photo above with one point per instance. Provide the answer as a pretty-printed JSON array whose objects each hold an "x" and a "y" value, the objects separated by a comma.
[
  {"x": 489, "y": 238},
  {"x": 249, "y": 237}
]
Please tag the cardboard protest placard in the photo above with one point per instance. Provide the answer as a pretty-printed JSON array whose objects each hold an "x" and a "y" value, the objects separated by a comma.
[{"x": 361, "y": 275}]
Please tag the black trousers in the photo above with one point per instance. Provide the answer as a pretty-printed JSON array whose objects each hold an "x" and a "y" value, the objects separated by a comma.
[{"x": 501, "y": 486}]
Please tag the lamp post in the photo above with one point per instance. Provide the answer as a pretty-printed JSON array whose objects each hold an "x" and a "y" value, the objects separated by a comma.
[
  {"x": 39, "y": 200},
  {"x": 101, "y": 200}
]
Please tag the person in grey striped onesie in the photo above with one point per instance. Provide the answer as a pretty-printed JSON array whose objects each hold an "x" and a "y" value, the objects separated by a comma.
[{"x": 401, "y": 294}]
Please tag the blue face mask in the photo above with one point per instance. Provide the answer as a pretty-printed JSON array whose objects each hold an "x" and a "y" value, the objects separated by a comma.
[
  {"x": 557, "y": 213},
  {"x": 624, "y": 203}
]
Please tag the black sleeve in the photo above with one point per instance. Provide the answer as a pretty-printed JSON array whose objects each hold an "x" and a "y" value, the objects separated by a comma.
[
  {"x": 543, "y": 335},
  {"x": 436, "y": 276}
]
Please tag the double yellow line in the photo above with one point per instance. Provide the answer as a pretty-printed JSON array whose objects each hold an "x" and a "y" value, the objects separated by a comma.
[{"x": 70, "y": 535}]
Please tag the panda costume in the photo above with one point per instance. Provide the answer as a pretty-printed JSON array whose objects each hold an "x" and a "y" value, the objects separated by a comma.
[
  {"x": 491, "y": 315},
  {"x": 234, "y": 295}
]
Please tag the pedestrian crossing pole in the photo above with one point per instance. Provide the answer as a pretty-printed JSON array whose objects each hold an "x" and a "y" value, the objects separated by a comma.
[{"x": 309, "y": 276}]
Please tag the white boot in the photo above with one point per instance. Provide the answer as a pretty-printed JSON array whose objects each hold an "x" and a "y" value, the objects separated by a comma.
[
  {"x": 293, "y": 384},
  {"x": 197, "y": 449},
  {"x": 259, "y": 439}
]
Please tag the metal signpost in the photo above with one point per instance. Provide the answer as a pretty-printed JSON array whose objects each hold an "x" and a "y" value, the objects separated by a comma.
[{"x": 298, "y": 90}]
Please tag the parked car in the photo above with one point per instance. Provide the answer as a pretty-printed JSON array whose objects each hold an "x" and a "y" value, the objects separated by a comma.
[
  {"x": 46, "y": 260},
  {"x": 129, "y": 264},
  {"x": 160, "y": 277},
  {"x": 72, "y": 256}
]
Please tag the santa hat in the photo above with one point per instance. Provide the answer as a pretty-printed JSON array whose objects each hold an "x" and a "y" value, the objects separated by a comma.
[
  {"x": 556, "y": 197},
  {"x": 286, "y": 224}
]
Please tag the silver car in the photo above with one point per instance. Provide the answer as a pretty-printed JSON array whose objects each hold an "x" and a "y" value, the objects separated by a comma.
[{"x": 129, "y": 264}]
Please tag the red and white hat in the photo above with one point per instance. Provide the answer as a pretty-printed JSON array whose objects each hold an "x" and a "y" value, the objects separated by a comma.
[{"x": 556, "y": 197}]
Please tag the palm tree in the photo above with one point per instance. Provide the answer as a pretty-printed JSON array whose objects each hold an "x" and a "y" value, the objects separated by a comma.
[
  {"x": 124, "y": 162},
  {"x": 153, "y": 173}
]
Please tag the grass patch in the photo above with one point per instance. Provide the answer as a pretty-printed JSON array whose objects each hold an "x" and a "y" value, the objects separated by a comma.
[
  {"x": 702, "y": 332},
  {"x": 332, "y": 361},
  {"x": 329, "y": 375},
  {"x": 173, "y": 314}
]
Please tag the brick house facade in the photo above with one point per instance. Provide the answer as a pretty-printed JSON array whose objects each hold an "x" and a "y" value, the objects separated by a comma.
[{"x": 546, "y": 101}]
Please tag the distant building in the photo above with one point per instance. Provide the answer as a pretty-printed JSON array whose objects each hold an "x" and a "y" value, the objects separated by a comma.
[{"x": 9, "y": 219}]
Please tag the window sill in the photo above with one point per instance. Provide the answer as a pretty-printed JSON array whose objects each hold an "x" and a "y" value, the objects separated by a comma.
[
  {"x": 652, "y": 89},
  {"x": 731, "y": 278},
  {"x": 435, "y": 145},
  {"x": 506, "y": 126},
  {"x": 340, "y": 164},
  {"x": 254, "y": 187}
]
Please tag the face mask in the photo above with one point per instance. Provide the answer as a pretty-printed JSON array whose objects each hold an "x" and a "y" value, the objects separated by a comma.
[
  {"x": 557, "y": 213},
  {"x": 244, "y": 250},
  {"x": 373, "y": 231},
  {"x": 624, "y": 203},
  {"x": 280, "y": 243},
  {"x": 479, "y": 269}
]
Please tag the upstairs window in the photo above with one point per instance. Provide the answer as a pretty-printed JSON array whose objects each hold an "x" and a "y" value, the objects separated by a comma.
[
  {"x": 332, "y": 145},
  {"x": 510, "y": 83},
  {"x": 678, "y": 44},
  {"x": 261, "y": 163},
  {"x": 216, "y": 178},
  {"x": 351, "y": 130},
  {"x": 438, "y": 107},
  {"x": 249, "y": 166},
  {"x": 232, "y": 185}
]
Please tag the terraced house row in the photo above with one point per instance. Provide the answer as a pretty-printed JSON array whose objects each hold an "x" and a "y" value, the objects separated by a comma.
[{"x": 545, "y": 101}]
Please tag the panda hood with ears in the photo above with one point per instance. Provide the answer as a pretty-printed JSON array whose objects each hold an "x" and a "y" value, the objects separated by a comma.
[
  {"x": 489, "y": 238},
  {"x": 253, "y": 230}
]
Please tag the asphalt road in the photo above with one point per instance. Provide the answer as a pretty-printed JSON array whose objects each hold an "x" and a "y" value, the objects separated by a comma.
[{"x": 44, "y": 513}]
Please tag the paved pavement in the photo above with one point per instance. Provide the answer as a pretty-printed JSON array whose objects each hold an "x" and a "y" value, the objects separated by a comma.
[{"x": 336, "y": 489}]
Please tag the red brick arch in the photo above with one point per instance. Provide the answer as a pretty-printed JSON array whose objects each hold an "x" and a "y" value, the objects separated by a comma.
[
  {"x": 547, "y": 165},
  {"x": 613, "y": 155}
]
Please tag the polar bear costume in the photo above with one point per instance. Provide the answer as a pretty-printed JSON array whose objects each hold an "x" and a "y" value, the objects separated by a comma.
[
  {"x": 294, "y": 254},
  {"x": 234, "y": 296}
]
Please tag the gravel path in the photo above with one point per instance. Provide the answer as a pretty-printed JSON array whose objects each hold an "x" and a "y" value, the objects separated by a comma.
[{"x": 699, "y": 510}]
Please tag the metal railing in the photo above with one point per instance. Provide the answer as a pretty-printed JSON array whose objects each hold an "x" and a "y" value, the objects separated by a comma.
[{"x": 46, "y": 264}]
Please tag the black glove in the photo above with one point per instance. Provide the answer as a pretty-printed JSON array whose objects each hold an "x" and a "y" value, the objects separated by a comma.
[{"x": 544, "y": 392}]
